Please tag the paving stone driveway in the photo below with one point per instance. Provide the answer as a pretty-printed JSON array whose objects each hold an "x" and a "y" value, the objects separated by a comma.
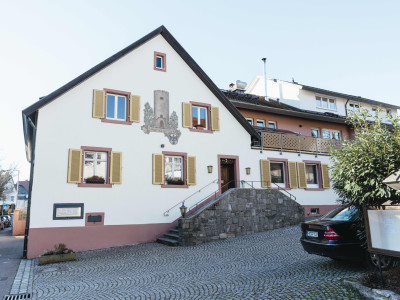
[{"x": 267, "y": 265}]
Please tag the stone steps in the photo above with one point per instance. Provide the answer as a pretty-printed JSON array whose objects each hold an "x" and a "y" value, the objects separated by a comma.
[{"x": 170, "y": 239}]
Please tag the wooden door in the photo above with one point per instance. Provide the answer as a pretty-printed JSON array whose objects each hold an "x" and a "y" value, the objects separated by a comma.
[{"x": 224, "y": 178}]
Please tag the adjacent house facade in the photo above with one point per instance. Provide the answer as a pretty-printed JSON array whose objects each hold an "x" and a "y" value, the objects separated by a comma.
[{"x": 136, "y": 143}]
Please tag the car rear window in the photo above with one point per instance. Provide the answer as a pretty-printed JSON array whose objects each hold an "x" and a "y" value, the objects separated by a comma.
[{"x": 340, "y": 214}]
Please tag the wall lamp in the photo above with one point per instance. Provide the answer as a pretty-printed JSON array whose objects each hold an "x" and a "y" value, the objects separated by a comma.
[
  {"x": 248, "y": 170},
  {"x": 209, "y": 168}
]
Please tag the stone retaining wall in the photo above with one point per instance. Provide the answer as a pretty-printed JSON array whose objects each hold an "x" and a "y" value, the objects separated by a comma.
[{"x": 239, "y": 212}]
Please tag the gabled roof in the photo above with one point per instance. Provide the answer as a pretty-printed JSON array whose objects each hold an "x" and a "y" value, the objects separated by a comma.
[
  {"x": 258, "y": 103},
  {"x": 32, "y": 110}
]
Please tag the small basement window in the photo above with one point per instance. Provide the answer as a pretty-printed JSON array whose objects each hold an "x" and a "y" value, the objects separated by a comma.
[{"x": 314, "y": 211}]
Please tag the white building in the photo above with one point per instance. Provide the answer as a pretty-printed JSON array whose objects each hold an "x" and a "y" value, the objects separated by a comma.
[{"x": 119, "y": 146}]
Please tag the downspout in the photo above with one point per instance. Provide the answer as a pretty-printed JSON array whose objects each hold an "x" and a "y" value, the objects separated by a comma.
[
  {"x": 345, "y": 106},
  {"x": 28, "y": 212}
]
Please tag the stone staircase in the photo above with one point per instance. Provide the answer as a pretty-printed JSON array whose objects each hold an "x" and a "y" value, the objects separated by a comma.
[{"x": 171, "y": 238}]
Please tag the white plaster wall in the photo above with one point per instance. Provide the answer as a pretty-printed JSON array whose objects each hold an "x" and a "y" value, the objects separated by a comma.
[{"x": 67, "y": 123}]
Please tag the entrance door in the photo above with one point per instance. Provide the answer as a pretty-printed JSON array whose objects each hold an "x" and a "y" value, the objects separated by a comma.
[{"x": 227, "y": 167}]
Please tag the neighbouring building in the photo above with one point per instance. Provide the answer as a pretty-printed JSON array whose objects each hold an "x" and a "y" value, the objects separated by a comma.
[
  {"x": 139, "y": 144},
  {"x": 7, "y": 203}
]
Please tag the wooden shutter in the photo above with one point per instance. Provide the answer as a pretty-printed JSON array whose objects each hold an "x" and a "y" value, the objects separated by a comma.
[
  {"x": 292, "y": 175},
  {"x": 215, "y": 118},
  {"x": 187, "y": 121},
  {"x": 98, "y": 104},
  {"x": 301, "y": 175},
  {"x": 116, "y": 168},
  {"x": 265, "y": 173},
  {"x": 158, "y": 169},
  {"x": 191, "y": 170},
  {"x": 75, "y": 166},
  {"x": 134, "y": 114},
  {"x": 325, "y": 176}
]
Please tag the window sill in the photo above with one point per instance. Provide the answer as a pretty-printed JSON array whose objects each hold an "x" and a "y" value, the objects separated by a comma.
[
  {"x": 116, "y": 122},
  {"x": 326, "y": 108},
  {"x": 107, "y": 185},
  {"x": 177, "y": 186},
  {"x": 160, "y": 69},
  {"x": 314, "y": 189},
  {"x": 280, "y": 188},
  {"x": 201, "y": 130}
]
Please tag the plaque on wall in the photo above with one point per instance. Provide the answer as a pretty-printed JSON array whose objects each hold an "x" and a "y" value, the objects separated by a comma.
[{"x": 65, "y": 211}]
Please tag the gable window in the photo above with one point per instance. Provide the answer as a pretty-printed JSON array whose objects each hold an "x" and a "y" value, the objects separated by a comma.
[
  {"x": 312, "y": 176},
  {"x": 331, "y": 134},
  {"x": 174, "y": 170},
  {"x": 315, "y": 132},
  {"x": 95, "y": 167},
  {"x": 160, "y": 61},
  {"x": 250, "y": 121},
  {"x": 272, "y": 124},
  {"x": 116, "y": 107},
  {"x": 260, "y": 123},
  {"x": 200, "y": 117},
  {"x": 325, "y": 103},
  {"x": 354, "y": 106}
]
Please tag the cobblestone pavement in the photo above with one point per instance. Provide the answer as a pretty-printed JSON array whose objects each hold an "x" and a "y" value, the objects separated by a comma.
[{"x": 267, "y": 265}]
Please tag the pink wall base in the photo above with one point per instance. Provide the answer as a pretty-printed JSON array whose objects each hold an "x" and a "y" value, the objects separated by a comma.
[{"x": 93, "y": 237}]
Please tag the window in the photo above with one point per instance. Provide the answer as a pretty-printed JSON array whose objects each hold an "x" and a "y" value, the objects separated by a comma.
[
  {"x": 312, "y": 175},
  {"x": 314, "y": 211},
  {"x": 67, "y": 211},
  {"x": 272, "y": 124},
  {"x": 374, "y": 111},
  {"x": 326, "y": 103},
  {"x": 388, "y": 112},
  {"x": 200, "y": 117},
  {"x": 95, "y": 167},
  {"x": 160, "y": 61},
  {"x": 277, "y": 173},
  {"x": 116, "y": 107},
  {"x": 250, "y": 121},
  {"x": 260, "y": 123},
  {"x": 330, "y": 134},
  {"x": 354, "y": 106},
  {"x": 315, "y": 132},
  {"x": 174, "y": 170}
]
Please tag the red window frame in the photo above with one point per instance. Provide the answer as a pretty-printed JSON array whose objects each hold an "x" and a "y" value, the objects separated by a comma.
[
  {"x": 286, "y": 170},
  {"x": 164, "y": 57},
  {"x": 128, "y": 98},
  {"x": 319, "y": 173},
  {"x": 97, "y": 149},
  {"x": 184, "y": 165},
  {"x": 208, "y": 109}
]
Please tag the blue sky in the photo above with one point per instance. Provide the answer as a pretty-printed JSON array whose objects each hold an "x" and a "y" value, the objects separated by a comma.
[{"x": 346, "y": 46}]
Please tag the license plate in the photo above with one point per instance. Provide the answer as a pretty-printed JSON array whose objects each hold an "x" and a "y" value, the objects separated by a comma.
[{"x": 312, "y": 234}]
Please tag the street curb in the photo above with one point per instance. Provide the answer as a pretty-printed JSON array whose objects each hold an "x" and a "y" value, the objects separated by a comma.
[{"x": 370, "y": 293}]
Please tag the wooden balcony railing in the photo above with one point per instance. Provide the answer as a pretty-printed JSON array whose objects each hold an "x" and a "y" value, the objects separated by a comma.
[{"x": 288, "y": 142}]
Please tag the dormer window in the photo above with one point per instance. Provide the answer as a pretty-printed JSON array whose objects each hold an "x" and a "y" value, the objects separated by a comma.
[
  {"x": 325, "y": 103},
  {"x": 160, "y": 61},
  {"x": 354, "y": 106}
]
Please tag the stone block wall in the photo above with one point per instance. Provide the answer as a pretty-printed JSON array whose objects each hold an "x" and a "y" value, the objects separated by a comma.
[{"x": 239, "y": 212}]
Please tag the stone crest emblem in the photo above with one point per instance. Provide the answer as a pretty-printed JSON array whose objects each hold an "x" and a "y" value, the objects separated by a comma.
[{"x": 159, "y": 120}]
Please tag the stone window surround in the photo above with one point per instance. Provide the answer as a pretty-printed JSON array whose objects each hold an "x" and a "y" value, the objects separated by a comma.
[
  {"x": 319, "y": 171},
  {"x": 122, "y": 93},
  {"x": 97, "y": 149},
  {"x": 208, "y": 108},
  {"x": 286, "y": 170},
  {"x": 184, "y": 165},
  {"x": 164, "y": 56}
]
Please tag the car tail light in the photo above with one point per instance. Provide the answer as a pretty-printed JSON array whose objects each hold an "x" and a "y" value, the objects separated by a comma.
[{"x": 330, "y": 234}]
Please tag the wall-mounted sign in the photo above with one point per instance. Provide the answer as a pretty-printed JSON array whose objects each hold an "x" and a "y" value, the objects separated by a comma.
[
  {"x": 383, "y": 229},
  {"x": 65, "y": 211},
  {"x": 159, "y": 120}
]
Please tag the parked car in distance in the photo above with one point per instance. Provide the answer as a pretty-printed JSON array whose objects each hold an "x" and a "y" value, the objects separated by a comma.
[
  {"x": 1, "y": 224},
  {"x": 334, "y": 236},
  {"x": 6, "y": 221}
]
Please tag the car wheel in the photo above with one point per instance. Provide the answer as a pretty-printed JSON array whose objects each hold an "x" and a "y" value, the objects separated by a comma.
[{"x": 372, "y": 261}]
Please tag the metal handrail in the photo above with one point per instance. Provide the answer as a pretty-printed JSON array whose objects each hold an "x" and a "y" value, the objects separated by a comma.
[
  {"x": 166, "y": 213},
  {"x": 279, "y": 188}
]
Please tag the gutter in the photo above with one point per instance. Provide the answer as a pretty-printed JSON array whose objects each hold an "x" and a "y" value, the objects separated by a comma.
[{"x": 28, "y": 213}]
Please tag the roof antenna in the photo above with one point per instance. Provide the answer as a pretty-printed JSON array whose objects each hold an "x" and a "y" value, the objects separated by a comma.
[
  {"x": 293, "y": 79},
  {"x": 265, "y": 77}
]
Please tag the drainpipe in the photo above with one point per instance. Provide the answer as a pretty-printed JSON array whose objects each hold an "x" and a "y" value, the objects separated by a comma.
[
  {"x": 265, "y": 77},
  {"x": 28, "y": 212},
  {"x": 345, "y": 106}
]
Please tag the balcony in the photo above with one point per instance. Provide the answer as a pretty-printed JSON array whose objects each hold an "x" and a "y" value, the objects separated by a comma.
[{"x": 290, "y": 142}]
